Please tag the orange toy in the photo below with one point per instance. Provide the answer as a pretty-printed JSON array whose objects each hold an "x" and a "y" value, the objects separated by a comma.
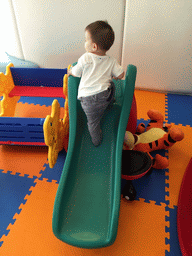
[
  {"x": 56, "y": 131},
  {"x": 8, "y": 104},
  {"x": 155, "y": 137}
]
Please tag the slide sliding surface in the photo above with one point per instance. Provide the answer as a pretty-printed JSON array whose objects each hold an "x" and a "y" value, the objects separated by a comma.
[{"x": 87, "y": 202}]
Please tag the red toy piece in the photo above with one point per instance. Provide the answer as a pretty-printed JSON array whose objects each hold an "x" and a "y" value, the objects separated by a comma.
[
  {"x": 132, "y": 122},
  {"x": 184, "y": 211}
]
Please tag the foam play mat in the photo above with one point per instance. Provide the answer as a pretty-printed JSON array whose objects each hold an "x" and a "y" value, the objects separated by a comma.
[{"x": 147, "y": 226}]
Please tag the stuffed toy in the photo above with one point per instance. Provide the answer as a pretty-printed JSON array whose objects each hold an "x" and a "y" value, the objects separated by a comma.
[{"x": 155, "y": 136}]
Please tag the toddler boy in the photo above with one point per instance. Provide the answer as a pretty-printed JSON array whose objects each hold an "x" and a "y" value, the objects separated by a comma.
[{"x": 96, "y": 69}]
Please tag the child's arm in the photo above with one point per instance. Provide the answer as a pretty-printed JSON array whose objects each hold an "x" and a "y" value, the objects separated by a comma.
[{"x": 119, "y": 77}]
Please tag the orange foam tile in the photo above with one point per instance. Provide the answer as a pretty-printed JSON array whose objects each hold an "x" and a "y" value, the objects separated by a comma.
[
  {"x": 179, "y": 157},
  {"x": 138, "y": 233},
  {"x": 23, "y": 159},
  {"x": 31, "y": 110},
  {"x": 146, "y": 100},
  {"x": 32, "y": 233}
]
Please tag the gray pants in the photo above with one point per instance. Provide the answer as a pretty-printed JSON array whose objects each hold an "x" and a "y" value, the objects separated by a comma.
[{"x": 94, "y": 107}]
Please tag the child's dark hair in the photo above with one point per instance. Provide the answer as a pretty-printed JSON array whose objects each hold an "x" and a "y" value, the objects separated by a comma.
[{"x": 102, "y": 34}]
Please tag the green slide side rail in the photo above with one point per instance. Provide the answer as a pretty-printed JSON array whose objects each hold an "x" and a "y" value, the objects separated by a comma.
[{"x": 87, "y": 203}]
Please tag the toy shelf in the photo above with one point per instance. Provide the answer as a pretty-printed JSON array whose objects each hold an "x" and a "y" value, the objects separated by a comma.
[
  {"x": 22, "y": 131},
  {"x": 31, "y": 82},
  {"x": 38, "y": 76},
  {"x": 35, "y": 82}
]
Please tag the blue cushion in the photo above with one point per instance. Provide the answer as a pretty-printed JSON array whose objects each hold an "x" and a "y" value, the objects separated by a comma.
[
  {"x": 17, "y": 62},
  {"x": 3, "y": 66},
  {"x": 4, "y": 61}
]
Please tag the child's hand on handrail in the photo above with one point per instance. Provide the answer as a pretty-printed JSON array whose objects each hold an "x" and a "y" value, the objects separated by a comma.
[
  {"x": 119, "y": 77},
  {"x": 69, "y": 73}
]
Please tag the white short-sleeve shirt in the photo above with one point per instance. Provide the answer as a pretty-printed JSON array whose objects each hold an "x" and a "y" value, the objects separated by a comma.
[{"x": 96, "y": 73}]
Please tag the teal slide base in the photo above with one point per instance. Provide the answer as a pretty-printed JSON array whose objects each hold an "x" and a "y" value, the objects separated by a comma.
[{"x": 87, "y": 203}]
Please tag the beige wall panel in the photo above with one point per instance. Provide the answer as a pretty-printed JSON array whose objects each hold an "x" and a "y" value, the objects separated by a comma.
[
  {"x": 10, "y": 40},
  {"x": 52, "y": 31},
  {"x": 157, "y": 39}
]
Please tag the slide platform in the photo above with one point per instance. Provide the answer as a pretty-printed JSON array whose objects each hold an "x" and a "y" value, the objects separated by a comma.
[{"x": 87, "y": 203}]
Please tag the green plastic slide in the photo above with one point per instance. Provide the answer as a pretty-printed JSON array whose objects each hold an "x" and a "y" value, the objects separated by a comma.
[{"x": 87, "y": 203}]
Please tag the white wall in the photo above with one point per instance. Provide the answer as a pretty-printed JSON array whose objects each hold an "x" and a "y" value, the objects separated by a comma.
[
  {"x": 10, "y": 40},
  {"x": 52, "y": 31},
  {"x": 157, "y": 39},
  {"x": 154, "y": 35}
]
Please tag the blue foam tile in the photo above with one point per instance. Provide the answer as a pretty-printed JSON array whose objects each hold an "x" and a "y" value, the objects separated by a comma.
[
  {"x": 55, "y": 172},
  {"x": 152, "y": 185},
  {"x": 47, "y": 101},
  {"x": 14, "y": 188},
  {"x": 179, "y": 109},
  {"x": 173, "y": 241}
]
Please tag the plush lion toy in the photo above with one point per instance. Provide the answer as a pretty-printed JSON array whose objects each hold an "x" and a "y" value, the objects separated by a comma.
[{"x": 156, "y": 136}]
